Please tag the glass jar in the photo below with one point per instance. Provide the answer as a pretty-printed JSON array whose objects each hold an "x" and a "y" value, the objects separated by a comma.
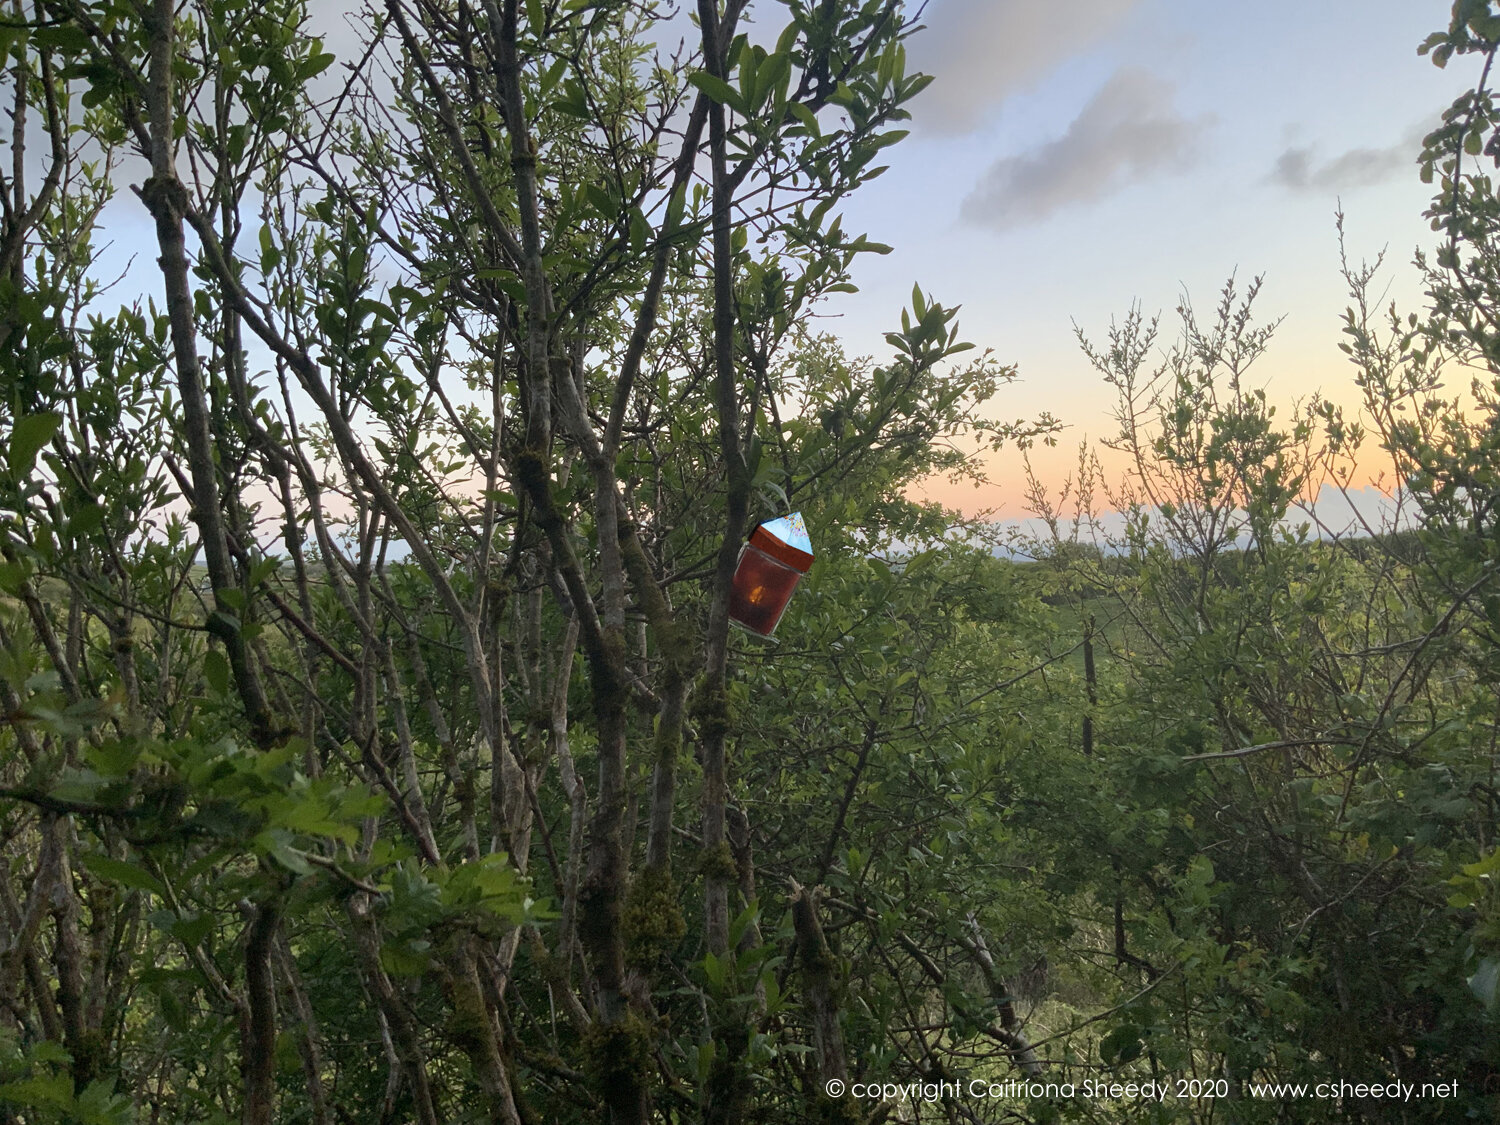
[{"x": 762, "y": 587}]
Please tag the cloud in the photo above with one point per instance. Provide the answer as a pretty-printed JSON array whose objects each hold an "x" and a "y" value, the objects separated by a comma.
[
  {"x": 982, "y": 51},
  {"x": 1127, "y": 132},
  {"x": 1300, "y": 169}
]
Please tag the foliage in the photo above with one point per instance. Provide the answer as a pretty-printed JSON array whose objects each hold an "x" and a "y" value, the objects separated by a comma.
[
  {"x": 411, "y": 502},
  {"x": 376, "y": 743}
]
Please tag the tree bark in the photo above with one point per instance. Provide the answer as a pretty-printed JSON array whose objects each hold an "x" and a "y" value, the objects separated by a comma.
[
  {"x": 1000, "y": 992},
  {"x": 258, "y": 1018},
  {"x": 819, "y": 987},
  {"x": 166, "y": 199}
]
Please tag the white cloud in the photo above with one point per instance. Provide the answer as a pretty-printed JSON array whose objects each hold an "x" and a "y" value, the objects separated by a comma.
[
  {"x": 1301, "y": 169},
  {"x": 982, "y": 51},
  {"x": 1128, "y": 131}
]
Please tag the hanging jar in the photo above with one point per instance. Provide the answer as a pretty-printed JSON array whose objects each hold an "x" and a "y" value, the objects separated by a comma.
[{"x": 771, "y": 564}]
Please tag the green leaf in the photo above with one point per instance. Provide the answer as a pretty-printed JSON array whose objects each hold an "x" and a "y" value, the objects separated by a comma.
[
  {"x": 126, "y": 874},
  {"x": 771, "y": 79},
  {"x": 311, "y": 816},
  {"x": 719, "y": 90},
  {"x": 13, "y": 577},
  {"x": 192, "y": 929},
  {"x": 1121, "y": 1045},
  {"x": 65, "y": 38},
  {"x": 640, "y": 229},
  {"x": 86, "y": 521},
  {"x": 807, "y": 117},
  {"x": 263, "y": 569},
  {"x": 1489, "y": 865},
  {"x": 705, "y": 1060},
  {"x": 30, "y": 433},
  {"x": 553, "y": 76},
  {"x": 742, "y": 922},
  {"x": 290, "y": 858},
  {"x": 406, "y": 959},
  {"x": 675, "y": 207},
  {"x": 713, "y": 969},
  {"x": 314, "y": 66},
  {"x": 572, "y": 102},
  {"x": 270, "y": 253},
  {"x": 100, "y": 1105},
  {"x": 216, "y": 670},
  {"x": 39, "y": 1091}
]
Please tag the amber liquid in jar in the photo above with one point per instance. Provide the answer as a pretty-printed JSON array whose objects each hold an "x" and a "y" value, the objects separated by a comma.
[{"x": 762, "y": 587}]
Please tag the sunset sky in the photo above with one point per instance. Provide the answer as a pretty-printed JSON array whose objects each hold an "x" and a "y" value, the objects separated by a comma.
[{"x": 1070, "y": 159}]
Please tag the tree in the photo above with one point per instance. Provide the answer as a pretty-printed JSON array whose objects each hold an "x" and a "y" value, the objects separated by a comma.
[
  {"x": 1295, "y": 736},
  {"x": 303, "y": 557}
]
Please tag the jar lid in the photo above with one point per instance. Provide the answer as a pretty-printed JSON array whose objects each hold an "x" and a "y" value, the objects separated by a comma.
[{"x": 785, "y": 539}]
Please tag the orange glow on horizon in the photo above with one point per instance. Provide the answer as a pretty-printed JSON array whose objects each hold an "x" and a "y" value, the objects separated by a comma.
[{"x": 1004, "y": 493}]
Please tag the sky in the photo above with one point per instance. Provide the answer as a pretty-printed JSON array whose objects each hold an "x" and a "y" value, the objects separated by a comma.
[
  {"x": 1070, "y": 159},
  {"x": 1073, "y": 157}
]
